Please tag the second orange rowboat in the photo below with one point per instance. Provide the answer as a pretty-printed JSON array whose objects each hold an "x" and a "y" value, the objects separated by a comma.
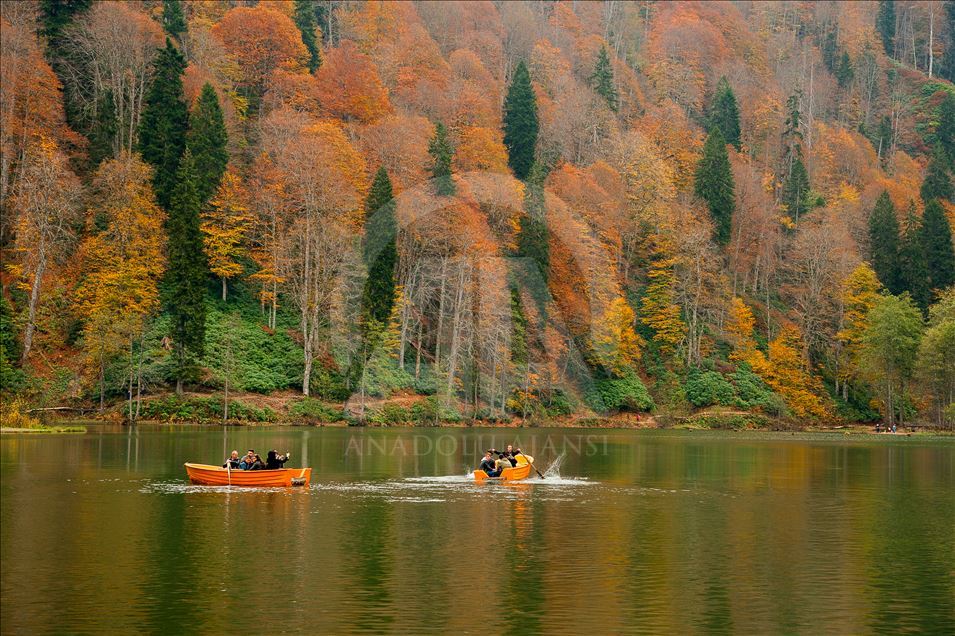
[
  {"x": 515, "y": 473},
  {"x": 207, "y": 475}
]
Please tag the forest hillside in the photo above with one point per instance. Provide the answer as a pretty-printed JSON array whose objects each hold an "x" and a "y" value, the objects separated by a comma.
[{"x": 506, "y": 211}]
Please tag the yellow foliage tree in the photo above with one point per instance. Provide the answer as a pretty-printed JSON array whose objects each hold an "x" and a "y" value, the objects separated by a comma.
[
  {"x": 785, "y": 372},
  {"x": 860, "y": 292},
  {"x": 225, "y": 224},
  {"x": 739, "y": 328},
  {"x": 124, "y": 262},
  {"x": 616, "y": 346},
  {"x": 659, "y": 310}
]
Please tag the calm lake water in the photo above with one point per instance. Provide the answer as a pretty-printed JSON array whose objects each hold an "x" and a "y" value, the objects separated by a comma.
[{"x": 643, "y": 531}]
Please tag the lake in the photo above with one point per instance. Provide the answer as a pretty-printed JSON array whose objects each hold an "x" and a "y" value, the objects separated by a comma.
[{"x": 633, "y": 532}]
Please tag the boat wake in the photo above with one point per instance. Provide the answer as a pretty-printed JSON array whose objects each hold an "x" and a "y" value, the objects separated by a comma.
[{"x": 180, "y": 488}]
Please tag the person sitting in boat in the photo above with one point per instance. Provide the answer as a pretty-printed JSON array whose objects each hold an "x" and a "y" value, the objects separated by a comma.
[
  {"x": 273, "y": 460},
  {"x": 233, "y": 461},
  {"x": 247, "y": 460},
  {"x": 257, "y": 463},
  {"x": 490, "y": 466},
  {"x": 510, "y": 454}
]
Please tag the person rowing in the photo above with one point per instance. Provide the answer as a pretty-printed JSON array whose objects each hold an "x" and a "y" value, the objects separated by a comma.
[
  {"x": 233, "y": 461},
  {"x": 510, "y": 454}
]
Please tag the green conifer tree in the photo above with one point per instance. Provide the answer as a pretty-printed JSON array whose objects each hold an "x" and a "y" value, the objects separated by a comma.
[
  {"x": 945, "y": 128},
  {"x": 441, "y": 154},
  {"x": 724, "y": 113},
  {"x": 885, "y": 25},
  {"x": 937, "y": 246},
  {"x": 844, "y": 71},
  {"x": 306, "y": 21},
  {"x": 533, "y": 238},
  {"x": 830, "y": 50},
  {"x": 164, "y": 122},
  {"x": 602, "y": 79},
  {"x": 884, "y": 243},
  {"x": 796, "y": 195},
  {"x": 187, "y": 272},
  {"x": 380, "y": 250},
  {"x": 913, "y": 268},
  {"x": 206, "y": 141},
  {"x": 173, "y": 20},
  {"x": 714, "y": 185},
  {"x": 102, "y": 130},
  {"x": 520, "y": 122},
  {"x": 938, "y": 182},
  {"x": 946, "y": 66}
]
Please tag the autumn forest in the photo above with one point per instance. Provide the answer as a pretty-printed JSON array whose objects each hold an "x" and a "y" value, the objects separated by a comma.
[{"x": 738, "y": 213}]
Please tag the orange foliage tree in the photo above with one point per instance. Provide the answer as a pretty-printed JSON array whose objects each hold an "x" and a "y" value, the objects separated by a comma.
[
  {"x": 261, "y": 40},
  {"x": 347, "y": 85}
]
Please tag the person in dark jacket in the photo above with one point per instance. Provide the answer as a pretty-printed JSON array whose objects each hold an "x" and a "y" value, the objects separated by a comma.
[
  {"x": 273, "y": 460},
  {"x": 510, "y": 454},
  {"x": 257, "y": 464},
  {"x": 233, "y": 461},
  {"x": 247, "y": 460},
  {"x": 489, "y": 466}
]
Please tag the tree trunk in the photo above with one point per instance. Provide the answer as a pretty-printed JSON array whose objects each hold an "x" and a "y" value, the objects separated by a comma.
[
  {"x": 34, "y": 300},
  {"x": 139, "y": 377},
  {"x": 224, "y": 289}
]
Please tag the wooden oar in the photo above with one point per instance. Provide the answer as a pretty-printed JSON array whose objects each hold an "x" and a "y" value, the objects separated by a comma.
[{"x": 533, "y": 466}]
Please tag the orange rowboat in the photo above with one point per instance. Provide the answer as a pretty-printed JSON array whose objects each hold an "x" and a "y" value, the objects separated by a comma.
[
  {"x": 515, "y": 473},
  {"x": 207, "y": 475}
]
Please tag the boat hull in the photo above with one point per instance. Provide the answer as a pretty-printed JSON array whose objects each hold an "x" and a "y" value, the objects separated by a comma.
[
  {"x": 515, "y": 473},
  {"x": 206, "y": 475}
]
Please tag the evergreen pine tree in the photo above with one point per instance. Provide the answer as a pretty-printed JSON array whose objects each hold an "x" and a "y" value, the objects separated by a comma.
[
  {"x": 206, "y": 141},
  {"x": 520, "y": 122},
  {"x": 441, "y": 155},
  {"x": 164, "y": 122},
  {"x": 883, "y": 137},
  {"x": 913, "y": 268},
  {"x": 844, "y": 71},
  {"x": 946, "y": 66},
  {"x": 187, "y": 272},
  {"x": 102, "y": 130},
  {"x": 173, "y": 20},
  {"x": 937, "y": 246},
  {"x": 714, "y": 185},
  {"x": 796, "y": 196},
  {"x": 724, "y": 113},
  {"x": 602, "y": 79},
  {"x": 885, "y": 25},
  {"x": 884, "y": 243},
  {"x": 938, "y": 182},
  {"x": 945, "y": 128},
  {"x": 380, "y": 250},
  {"x": 56, "y": 15},
  {"x": 830, "y": 50},
  {"x": 306, "y": 21},
  {"x": 532, "y": 240}
]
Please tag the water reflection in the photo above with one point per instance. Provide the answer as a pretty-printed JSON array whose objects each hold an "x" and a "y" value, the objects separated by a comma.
[{"x": 655, "y": 532}]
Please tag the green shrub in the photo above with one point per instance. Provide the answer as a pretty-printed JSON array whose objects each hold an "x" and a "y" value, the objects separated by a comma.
[
  {"x": 735, "y": 421},
  {"x": 707, "y": 388},
  {"x": 388, "y": 415},
  {"x": 753, "y": 393},
  {"x": 203, "y": 409},
  {"x": 329, "y": 384},
  {"x": 312, "y": 410},
  {"x": 429, "y": 411},
  {"x": 383, "y": 376},
  {"x": 619, "y": 394}
]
